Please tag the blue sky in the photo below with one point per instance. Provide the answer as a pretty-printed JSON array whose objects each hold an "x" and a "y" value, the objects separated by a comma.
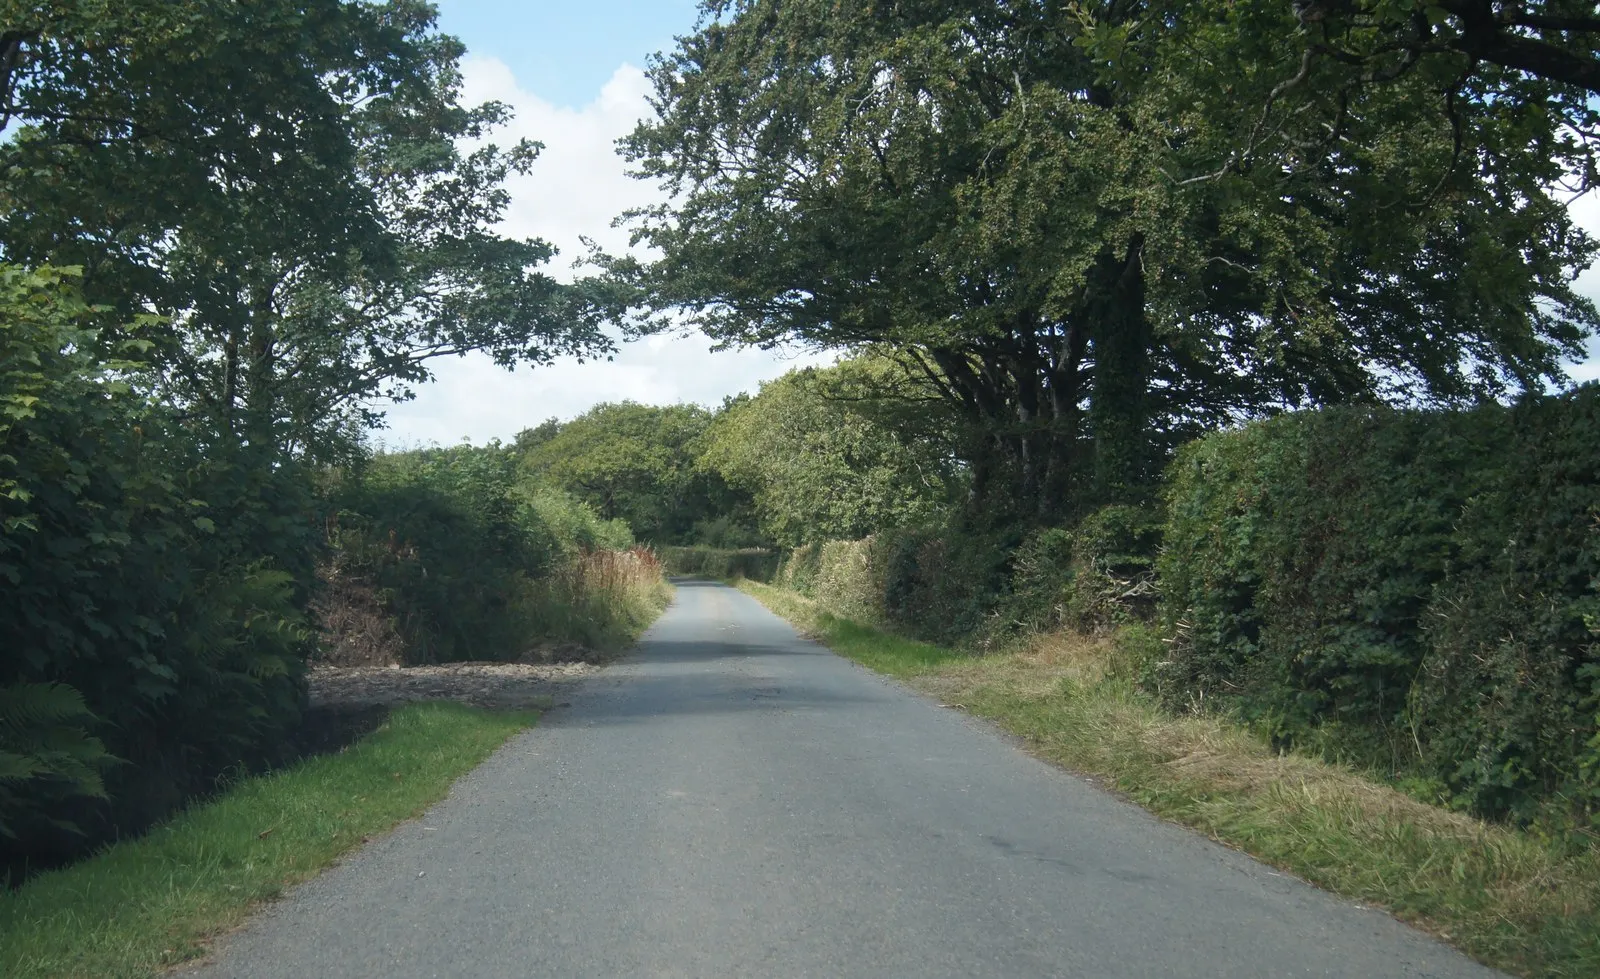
[{"x": 566, "y": 51}]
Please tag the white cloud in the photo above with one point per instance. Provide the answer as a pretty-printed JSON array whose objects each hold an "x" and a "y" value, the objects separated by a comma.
[
  {"x": 577, "y": 188},
  {"x": 580, "y": 184},
  {"x": 1586, "y": 212}
]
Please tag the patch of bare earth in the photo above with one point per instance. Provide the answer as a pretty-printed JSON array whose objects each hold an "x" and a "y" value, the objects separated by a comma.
[
  {"x": 499, "y": 686},
  {"x": 360, "y": 669}
]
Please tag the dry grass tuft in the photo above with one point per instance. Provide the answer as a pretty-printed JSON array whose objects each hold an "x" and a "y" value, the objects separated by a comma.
[
  {"x": 355, "y": 626},
  {"x": 1035, "y": 671}
]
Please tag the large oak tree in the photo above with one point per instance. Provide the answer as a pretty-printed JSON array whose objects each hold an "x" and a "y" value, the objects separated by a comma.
[{"x": 1070, "y": 219}]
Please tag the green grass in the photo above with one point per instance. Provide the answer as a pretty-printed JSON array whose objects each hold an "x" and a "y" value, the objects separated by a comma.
[
  {"x": 143, "y": 905},
  {"x": 872, "y": 648},
  {"x": 1509, "y": 898}
]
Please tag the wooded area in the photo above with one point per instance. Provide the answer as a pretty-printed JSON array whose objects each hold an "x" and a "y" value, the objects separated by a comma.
[{"x": 1063, "y": 242}]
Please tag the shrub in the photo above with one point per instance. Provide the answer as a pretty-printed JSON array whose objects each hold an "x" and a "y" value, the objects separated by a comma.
[
  {"x": 475, "y": 561},
  {"x": 449, "y": 548},
  {"x": 926, "y": 583},
  {"x": 941, "y": 584},
  {"x": 139, "y": 622},
  {"x": 851, "y": 579},
  {"x": 754, "y": 563},
  {"x": 799, "y": 568},
  {"x": 1092, "y": 577},
  {"x": 1407, "y": 589},
  {"x": 572, "y": 525}
]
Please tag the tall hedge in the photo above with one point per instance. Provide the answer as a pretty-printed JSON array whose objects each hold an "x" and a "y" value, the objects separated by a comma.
[
  {"x": 755, "y": 563},
  {"x": 931, "y": 583},
  {"x": 1414, "y": 590},
  {"x": 463, "y": 550},
  {"x": 151, "y": 634}
]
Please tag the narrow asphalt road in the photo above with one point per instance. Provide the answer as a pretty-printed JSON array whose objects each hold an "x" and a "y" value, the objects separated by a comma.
[{"x": 736, "y": 801}]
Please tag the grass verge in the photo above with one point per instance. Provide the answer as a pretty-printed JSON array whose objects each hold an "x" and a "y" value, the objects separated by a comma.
[
  {"x": 146, "y": 904},
  {"x": 1512, "y": 900},
  {"x": 604, "y": 600}
]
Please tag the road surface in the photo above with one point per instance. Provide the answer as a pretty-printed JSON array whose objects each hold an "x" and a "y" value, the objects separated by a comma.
[{"x": 736, "y": 801}]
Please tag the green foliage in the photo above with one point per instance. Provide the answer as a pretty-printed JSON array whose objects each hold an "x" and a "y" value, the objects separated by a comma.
[
  {"x": 635, "y": 463},
  {"x": 46, "y": 752},
  {"x": 824, "y": 457},
  {"x": 940, "y": 584},
  {"x": 934, "y": 584},
  {"x": 844, "y": 576},
  {"x": 322, "y": 231},
  {"x": 162, "y": 613},
  {"x": 753, "y": 563},
  {"x": 1098, "y": 229},
  {"x": 281, "y": 212},
  {"x": 729, "y": 531},
  {"x": 1412, "y": 590},
  {"x": 572, "y": 524},
  {"x": 475, "y": 561},
  {"x": 604, "y": 600},
  {"x": 1093, "y": 577},
  {"x": 441, "y": 535}
]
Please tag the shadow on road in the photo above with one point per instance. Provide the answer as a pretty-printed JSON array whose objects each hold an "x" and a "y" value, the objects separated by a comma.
[{"x": 668, "y": 677}]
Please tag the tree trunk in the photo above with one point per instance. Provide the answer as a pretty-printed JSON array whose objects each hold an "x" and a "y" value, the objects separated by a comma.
[
  {"x": 261, "y": 405},
  {"x": 1119, "y": 412}
]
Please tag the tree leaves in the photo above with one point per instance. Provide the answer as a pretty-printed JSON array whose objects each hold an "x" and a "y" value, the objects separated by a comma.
[
  {"x": 289, "y": 187},
  {"x": 836, "y": 454},
  {"x": 1107, "y": 226}
]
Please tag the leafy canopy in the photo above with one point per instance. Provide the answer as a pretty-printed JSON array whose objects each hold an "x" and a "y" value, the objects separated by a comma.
[
  {"x": 633, "y": 462},
  {"x": 824, "y": 459},
  {"x": 1041, "y": 209},
  {"x": 295, "y": 189}
]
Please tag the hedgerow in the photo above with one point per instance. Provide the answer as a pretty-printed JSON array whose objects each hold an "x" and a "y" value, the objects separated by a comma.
[
  {"x": 1414, "y": 590},
  {"x": 473, "y": 559},
  {"x": 151, "y": 609}
]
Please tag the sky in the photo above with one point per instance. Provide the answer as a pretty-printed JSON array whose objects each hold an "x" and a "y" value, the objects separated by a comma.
[{"x": 573, "y": 73}]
